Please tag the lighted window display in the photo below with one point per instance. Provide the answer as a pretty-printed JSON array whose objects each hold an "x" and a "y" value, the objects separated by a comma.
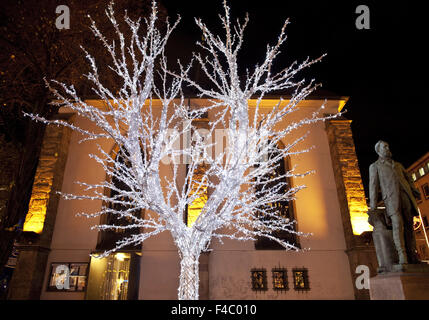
[
  {"x": 115, "y": 277},
  {"x": 259, "y": 279},
  {"x": 280, "y": 279},
  {"x": 300, "y": 279},
  {"x": 68, "y": 277}
]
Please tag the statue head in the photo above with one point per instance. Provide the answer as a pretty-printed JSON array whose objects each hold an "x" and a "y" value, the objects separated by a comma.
[{"x": 382, "y": 149}]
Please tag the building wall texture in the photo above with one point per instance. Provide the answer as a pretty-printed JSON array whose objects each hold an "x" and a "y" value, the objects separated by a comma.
[{"x": 34, "y": 245}]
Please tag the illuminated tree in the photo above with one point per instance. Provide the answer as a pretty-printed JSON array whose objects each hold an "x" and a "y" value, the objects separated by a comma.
[{"x": 242, "y": 186}]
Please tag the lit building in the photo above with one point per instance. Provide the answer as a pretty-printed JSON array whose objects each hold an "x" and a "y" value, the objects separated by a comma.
[
  {"x": 55, "y": 259},
  {"x": 419, "y": 172}
]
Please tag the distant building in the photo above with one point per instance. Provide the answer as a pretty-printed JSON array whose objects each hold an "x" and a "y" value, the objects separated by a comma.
[
  {"x": 56, "y": 245},
  {"x": 419, "y": 172}
]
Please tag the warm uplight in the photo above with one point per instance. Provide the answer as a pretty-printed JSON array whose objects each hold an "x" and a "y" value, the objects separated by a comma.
[
  {"x": 35, "y": 218},
  {"x": 360, "y": 225},
  {"x": 359, "y": 219},
  {"x": 341, "y": 104},
  {"x": 194, "y": 209},
  {"x": 120, "y": 256},
  {"x": 41, "y": 192},
  {"x": 416, "y": 223}
]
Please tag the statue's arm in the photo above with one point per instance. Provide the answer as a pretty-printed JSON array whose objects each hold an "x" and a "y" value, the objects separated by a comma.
[{"x": 374, "y": 186}]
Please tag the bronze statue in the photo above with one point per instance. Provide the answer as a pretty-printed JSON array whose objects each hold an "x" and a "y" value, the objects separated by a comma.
[
  {"x": 382, "y": 236},
  {"x": 398, "y": 193}
]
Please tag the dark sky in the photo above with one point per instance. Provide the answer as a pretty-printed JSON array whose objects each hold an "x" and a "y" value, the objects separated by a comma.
[{"x": 383, "y": 70}]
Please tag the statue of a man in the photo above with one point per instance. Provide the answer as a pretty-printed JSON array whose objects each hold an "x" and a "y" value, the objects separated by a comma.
[{"x": 398, "y": 193}]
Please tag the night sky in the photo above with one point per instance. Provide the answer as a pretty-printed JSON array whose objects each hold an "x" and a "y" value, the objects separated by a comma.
[{"x": 383, "y": 70}]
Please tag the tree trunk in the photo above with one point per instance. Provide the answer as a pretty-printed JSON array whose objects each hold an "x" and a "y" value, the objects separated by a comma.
[{"x": 189, "y": 277}]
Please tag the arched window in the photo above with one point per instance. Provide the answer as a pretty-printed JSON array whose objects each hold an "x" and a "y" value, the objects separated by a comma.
[
  {"x": 196, "y": 184},
  {"x": 196, "y": 187},
  {"x": 282, "y": 208},
  {"x": 108, "y": 238}
]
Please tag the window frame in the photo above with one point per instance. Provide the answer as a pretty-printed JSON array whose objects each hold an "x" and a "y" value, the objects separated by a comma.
[
  {"x": 305, "y": 278},
  {"x": 50, "y": 288},
  {"x": 264, "y": 279},
  {"x": 107, "y": 239},
  {"x": 263, "y": 243},
  {"x": 285, "y": 279}
]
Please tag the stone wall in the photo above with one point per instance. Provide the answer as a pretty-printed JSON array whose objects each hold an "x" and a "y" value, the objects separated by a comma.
[
  {"x": 352, "y": 200},
  {"x": 346, "y": 166},
  {"x": 34, "y": 245},
  {"x": 47, "y": 173}
]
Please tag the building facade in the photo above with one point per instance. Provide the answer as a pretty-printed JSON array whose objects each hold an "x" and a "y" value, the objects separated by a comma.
[
  {"x": 419, "y": 172},
  {"x": 58, "y": 249}
]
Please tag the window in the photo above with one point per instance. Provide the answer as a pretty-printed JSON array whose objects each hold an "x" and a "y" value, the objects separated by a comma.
[
  {"x": 280, "y": 282},
  {"x": 283, "y": 208},
  {"x": 413, "y": 175},
  {"x": 108, "y": 238},
  {"x": 300, "y": 279},
  {"x": 198, "y": 187},
  {"x": 259, "y": 279},
  {"x": 425, "y": 188},
  {"x": 116, "y": 276},
  {"x": 113, "y": 219},
  {"x": 197, "y": 182},
  {"x": 68, "y": 277},
  {"x": 422, "y": 171}
]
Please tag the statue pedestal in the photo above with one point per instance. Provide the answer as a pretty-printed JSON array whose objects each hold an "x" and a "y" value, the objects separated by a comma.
[{"x": 409, "y": 282}]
